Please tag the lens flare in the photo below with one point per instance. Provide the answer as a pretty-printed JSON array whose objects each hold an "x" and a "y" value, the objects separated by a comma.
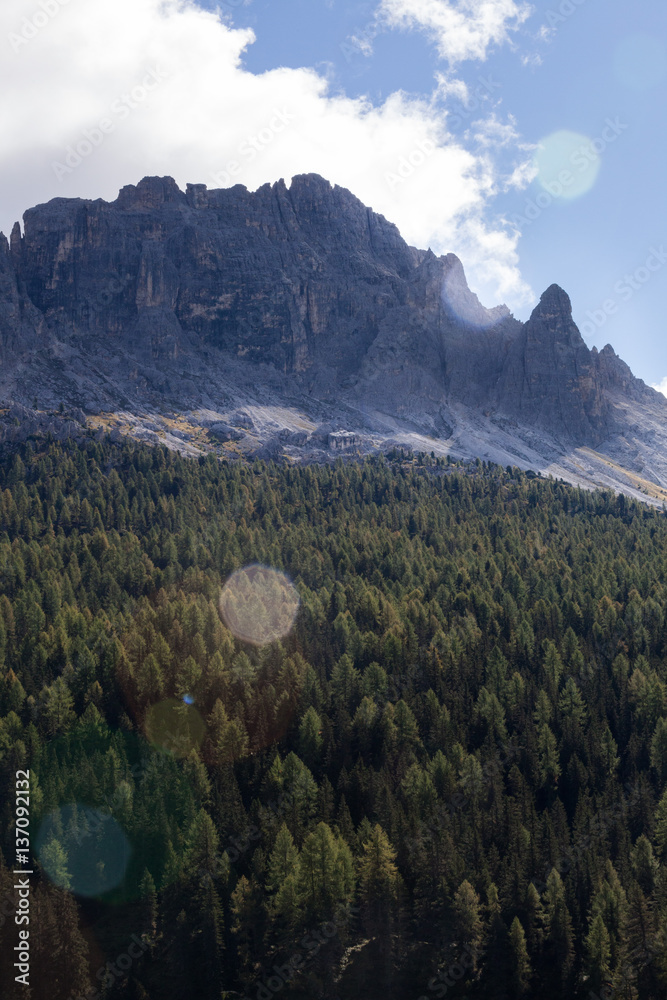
[
  {"x": 174, "y": 726},
  {"x": 83, "y": 849},
  {"x": 459, "y": 299},
  {"x": 259, "y": 605},
  {"x": 640, "y": 61},
  {"x": 567, "y": 164}
]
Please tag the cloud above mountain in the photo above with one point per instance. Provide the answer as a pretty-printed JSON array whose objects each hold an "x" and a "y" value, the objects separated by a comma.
[
  {"x": 103, "y": 94},
  {"x": 462, "y": 30}
]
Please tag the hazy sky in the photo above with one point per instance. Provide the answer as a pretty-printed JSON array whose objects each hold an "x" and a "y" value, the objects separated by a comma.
[{"x": 527, "y": 138}]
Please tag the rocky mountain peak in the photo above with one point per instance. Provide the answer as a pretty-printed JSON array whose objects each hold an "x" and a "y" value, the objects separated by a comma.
[
  {"x": 200, "y": 299},
  {"x": 15, "y": 239},
  {"x": 554, "y": 302},
  {"x": 150, "y": 194},
  {"x": 551, "y": 321},
  {"x": 458, "y": 297}
]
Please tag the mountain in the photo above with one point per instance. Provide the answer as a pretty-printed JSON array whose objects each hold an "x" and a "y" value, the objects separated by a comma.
[{"x": 298, "y": 321}]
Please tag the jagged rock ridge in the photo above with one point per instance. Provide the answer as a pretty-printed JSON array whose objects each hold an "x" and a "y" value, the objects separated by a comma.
[{"x": 177, "y": 300}]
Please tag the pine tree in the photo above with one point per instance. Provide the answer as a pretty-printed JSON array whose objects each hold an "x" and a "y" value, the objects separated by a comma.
[
  {"x": 641, "y": 940},
  {"x": 150, "y": 680},
  {"x": 229, "y": 739},
  {"x": 610, "y": 903},
  {"x": 535, "y": 921},
  {"x": 54, "y": 861},
  {"x": 661, "y": 826},
  {"x": 379, "y": 885},
  {"x": 326, "y": 875},
  {"x": 247, "y": 926},
  {"x": 468, "y": 927},
  {"x": 549, "y": 763},
  {"x": 149, "y": 907},
  {"x": 559, "y": 942},
  {"x": 521, "y": 970},
  {"x": 598, "y": 950},
  {"x": 207, "y": 929},
  {"x": 310, "y": 737},
  {"x": 659, "y": 751},
  {"x": 379, "y": 880},
  {"x": 644, "y": 865},
  {"x": 498, "y": 954},
  {"x": 57, "y": 707},
  {"x": 283, "y": 860},
  {"x": 202, "y": 849}
]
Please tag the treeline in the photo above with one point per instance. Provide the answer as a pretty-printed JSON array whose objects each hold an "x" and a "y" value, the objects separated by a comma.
[{"x": 449, "y": 779}]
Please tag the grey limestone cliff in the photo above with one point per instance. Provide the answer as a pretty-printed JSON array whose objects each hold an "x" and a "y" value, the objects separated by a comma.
[{"x": 302, "y": 296}]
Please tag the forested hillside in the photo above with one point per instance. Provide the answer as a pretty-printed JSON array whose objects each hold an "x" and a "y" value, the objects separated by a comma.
[{"x": 448, "y": 779}]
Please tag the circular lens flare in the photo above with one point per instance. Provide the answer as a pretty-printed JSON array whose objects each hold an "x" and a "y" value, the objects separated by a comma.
[
  {"x": 83, "y": 849},
  {"x": 174, "y": 726},
  {"x": 259, "y": 605},
  {"x": 567, "y": 164}
]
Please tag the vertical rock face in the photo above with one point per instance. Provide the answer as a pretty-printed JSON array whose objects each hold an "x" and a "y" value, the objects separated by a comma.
[
  {"x": 279, "y": 276},
  {"x": 22, "y": 328},
  {"x": 550, "y": 378},
  {"x": 305, "y": 283},
  {"x": 438, "y": 346}
]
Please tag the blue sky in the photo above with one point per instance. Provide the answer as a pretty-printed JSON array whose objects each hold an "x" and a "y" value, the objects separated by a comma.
[
  {"x": 453, "y": 118},
  {"x": 586, "y": 72}
]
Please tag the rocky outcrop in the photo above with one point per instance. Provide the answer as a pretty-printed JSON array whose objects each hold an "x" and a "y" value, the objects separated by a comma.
[
  {"x": 549, "y": 377},
  {"x": 19, "y": 423},
  {"x": 165, "y": 298},
  {"x": 344, "y": 441},
  {"x": 283, "y": 277},
  {"x": 552, "y": 380},
  {"x": 22, "y": 328}
]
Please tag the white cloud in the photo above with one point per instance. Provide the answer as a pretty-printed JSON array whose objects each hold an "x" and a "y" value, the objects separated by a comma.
[
  {"x": 90, "y": 62},
  {"x": 533, "y": 59},
  {"x": 661, "y": 386},
  {"x": 522, "y": 176},
  {"x": 491, "y": 133},
  {"x": 452, "y": 87},
  {"x": 462, "y": 29}
]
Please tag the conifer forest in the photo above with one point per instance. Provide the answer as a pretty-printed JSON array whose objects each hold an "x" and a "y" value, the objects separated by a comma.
[{"x": 388, "y": 728}]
